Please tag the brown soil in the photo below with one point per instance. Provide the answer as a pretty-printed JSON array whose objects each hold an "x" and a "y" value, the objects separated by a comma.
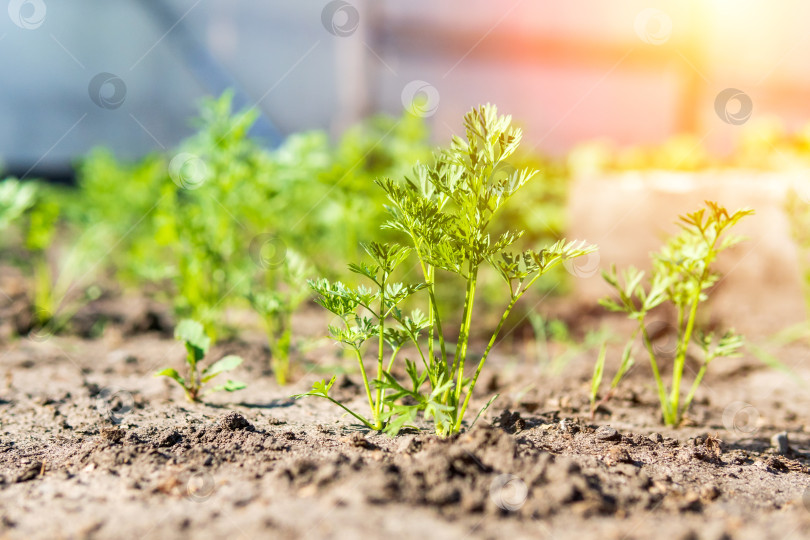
[{"x": 93, "y": 446}]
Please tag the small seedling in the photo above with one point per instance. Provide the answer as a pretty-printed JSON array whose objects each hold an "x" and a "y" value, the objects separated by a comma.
[
  {"x": 63, "y": 272},
  {"x": 276, "y": 302},
  {"x": 197, "y": 343},
  {"x": 42, "y": 223},
  {"x": 681, "y": 275},
  {"x": 598, "y": 371}
]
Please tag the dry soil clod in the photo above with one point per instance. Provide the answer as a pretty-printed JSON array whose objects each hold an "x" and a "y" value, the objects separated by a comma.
[
  {"x": 607, "y": 433},
  {"x": 233, "y": 421}
]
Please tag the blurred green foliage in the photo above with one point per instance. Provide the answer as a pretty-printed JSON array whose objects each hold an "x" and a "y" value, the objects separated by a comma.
[
  {"x": 798, "y": 211},
  {"x": 223, "y": 222},
  {"x": 15, "y": 198}
]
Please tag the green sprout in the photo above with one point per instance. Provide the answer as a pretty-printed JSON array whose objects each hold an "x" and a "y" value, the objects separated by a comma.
[
  {"x": 682, "y": 275},
  {"x": 180, "y": 226},
  {"x": 197, "y": 343},
  {"x": 276, "y": 304},
  {"x": 598, "y": 371},
  {"x": 63, "y": 272},
  {"x": 444, "y": 213},
  {"x": 42, "y": 224}
]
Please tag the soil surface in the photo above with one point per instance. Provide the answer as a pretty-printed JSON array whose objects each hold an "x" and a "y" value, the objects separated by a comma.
[{"x": 93, "y": 446}]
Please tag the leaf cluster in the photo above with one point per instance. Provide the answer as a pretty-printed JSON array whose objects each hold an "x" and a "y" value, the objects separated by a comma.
[
  {"x": 682, "y": 276},
  {"x": 445, "y": 211},
  {"x": 197, "y": 343}
]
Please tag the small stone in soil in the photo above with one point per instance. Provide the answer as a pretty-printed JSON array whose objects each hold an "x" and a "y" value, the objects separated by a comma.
[
  {"x": 511, "y": 422},
  {"x": 233, "y": 421},
  {"x": 607, "y": 433},
  {"x": 780, "y": 443}
]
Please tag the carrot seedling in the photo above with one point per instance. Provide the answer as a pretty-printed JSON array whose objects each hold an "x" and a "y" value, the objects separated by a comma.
[
  {"x": 596, "y": 380},
  {"x": 42, "y": 224},
  {"x": 682, "y": 276},
  {"x": 444, "y": 212},
  {"x": 193, "y": 335},
  {"x": 284, "y": 290}
]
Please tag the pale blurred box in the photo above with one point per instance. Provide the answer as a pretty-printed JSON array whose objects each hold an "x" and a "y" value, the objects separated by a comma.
[{"x": 629, "y": 214}]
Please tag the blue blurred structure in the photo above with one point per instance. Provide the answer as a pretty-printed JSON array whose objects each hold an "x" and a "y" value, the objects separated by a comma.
[
  {"x": 165, "y": 56},
  {"x": 567, "y": 71}
]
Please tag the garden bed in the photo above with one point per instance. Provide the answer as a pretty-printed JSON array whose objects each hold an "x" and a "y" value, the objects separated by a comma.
[{"x": 93, "y": 446}]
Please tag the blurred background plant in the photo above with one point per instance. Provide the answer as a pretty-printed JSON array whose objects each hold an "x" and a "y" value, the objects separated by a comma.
[
  {"x": 222, "y": 222},
  {"x": 205, "y": 216}
]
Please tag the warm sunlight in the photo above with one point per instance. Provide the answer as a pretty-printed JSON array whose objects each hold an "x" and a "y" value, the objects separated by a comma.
[{"x": 349, "y": 269}]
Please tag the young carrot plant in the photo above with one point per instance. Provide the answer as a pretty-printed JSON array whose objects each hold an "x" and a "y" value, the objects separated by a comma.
[
  {"x": 63, "y": 272},
  {"x": 216, "y": 183},
  {"x": 444, "y": 212},
  {"x": 42, "y": 221},
  {"x": 118, "y": 199},
  {"x": 681, "y": 275},
  {"x": 193, "y": 335},
  {"x": 598, "y": 371},
  {"x": 276, "y": 303}
]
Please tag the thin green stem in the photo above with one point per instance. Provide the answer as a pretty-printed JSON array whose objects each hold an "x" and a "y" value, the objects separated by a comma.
[
  {"x": 377, "y": 411},
  {"x": 192, "y": 371},
  {"x": 427, "y": 271},
  {"x": 43, "y": 297},
  {"x": 435, "y": 319},
  {"x": 464, "y": 335},
  {"x": 281, "y": 355},
  {"x": 342, "y": 406},
  {"x": 491, "y": 343},
  {"x": 695, "y": 385},
  {"x": 365, "y": 381},
  {"x": 422, "y": 356},
  {"x": 393, "y": 357},
  {"x": 279, "y": 336},
  {"x": 680, "y": 359},
  {"x": 516, "y": 295},
  {"x": 662, "y": 393}
]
